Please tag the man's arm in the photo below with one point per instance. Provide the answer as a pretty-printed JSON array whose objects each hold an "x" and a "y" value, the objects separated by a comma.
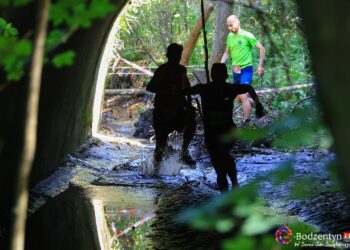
[
  {"x": 196, "y": 89},
  {"x": 225, "y": 55},
  {"x": 153, "y": 85},
  {"x": 261, "y": 59}
]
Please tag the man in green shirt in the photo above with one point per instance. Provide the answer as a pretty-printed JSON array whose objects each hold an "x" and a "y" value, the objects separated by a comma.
[{"x": 240, "y": 44}]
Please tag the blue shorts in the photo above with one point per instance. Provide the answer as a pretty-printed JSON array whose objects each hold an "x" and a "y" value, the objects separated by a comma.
[{"x": 245, "y": 77}]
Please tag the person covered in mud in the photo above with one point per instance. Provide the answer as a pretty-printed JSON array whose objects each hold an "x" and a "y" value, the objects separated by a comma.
[
  {"x": 172, "y": 109},
  {"x": 217, "y": 104}
]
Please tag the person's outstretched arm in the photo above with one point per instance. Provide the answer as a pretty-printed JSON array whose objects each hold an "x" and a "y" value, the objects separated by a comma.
[{"x": 196, "y": 89}]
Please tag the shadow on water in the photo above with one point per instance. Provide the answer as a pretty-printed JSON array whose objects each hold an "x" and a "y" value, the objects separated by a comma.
[{"x": 109, "y": 217}]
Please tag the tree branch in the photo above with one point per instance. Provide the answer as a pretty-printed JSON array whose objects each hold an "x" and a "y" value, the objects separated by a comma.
[{"x": 30, "y": 129}]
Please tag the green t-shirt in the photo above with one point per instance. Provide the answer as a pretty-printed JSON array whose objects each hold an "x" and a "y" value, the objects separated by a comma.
[{"x": 241, "y": 48}]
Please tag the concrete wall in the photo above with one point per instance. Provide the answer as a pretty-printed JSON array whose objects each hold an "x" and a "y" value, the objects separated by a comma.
[{"x": 65, "y": 115}]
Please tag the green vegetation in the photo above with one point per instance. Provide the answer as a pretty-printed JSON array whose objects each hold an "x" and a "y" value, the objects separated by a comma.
[
  {"x": 66, "y": 17},
  {"x": 242, "y": 215},
  {"x": 147, "y": 27}
]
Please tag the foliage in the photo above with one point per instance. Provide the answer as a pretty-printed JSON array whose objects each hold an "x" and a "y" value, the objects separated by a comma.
[
  {"x": 246, "y": 220},
  {"x": 134, "y": 238},
  {"x": 13, "y": 50},
  {"x": 278, "y": 27},
  {"x": 66, "y": 17},
  {"x": 144, "y": 34},
  {"x": 14, "y": 3},
  {"x": 156, "y": 24},
  {"x": 242, "y": 214},
  {"x": 63, "y": 59},
  {"x": 303, "y": 127}
]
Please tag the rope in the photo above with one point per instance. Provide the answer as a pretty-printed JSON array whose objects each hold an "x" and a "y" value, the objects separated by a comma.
[
  {"x": 133, "y": 227},
  {"x": 142, "y": 69},
  {"x": 262, "y": 91},
  {"x": 274, "y": 90}
]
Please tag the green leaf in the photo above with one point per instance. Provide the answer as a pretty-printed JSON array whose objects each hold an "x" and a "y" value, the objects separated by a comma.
[
  {"x": 245, "y": 210},
  {"x": 12, "y": 31},
  {"x": 247, "y": 134},
  {"x": 305, "y": 187},
  {"x": 54, "y": 38},
  {"x": 2, "y": 22},
  {"x": 203, "y": 223},
  {"x": 224, "y": 225},
  {"x": 282, "y": 174},
  {"x": 257, "y": 224},
  {"x": 240, "y": 242},
  {"x": 64, "y": 59}
]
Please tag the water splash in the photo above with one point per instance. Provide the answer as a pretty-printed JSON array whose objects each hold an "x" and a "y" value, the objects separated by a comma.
[{"x": 170, "y": 165}]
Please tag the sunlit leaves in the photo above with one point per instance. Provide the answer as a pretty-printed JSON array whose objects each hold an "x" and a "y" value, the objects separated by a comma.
[
  {"x": 66, "y": 16},
  {"x": 79, "y": 13},
  {"x": 14, "y": 55},
  {"x": 14, "y": 52},
  {"x": 241, "y": 242},
  {"x": 224, "y": 225},
  {"x": 54, "y": 37},
  {"x": 6, "y": 29},
  {"x": 64, "y": 59}
]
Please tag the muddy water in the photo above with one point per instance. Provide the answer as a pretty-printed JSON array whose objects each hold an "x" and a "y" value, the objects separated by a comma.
[{"x": 105, "y": 196}]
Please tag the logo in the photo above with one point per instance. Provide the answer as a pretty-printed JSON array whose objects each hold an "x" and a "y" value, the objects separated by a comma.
[
  {"x": 283, "y": 235},
  {"x": 346, "y": 236}
]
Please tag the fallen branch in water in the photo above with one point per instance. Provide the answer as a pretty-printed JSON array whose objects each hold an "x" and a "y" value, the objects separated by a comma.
[{"x": 126, "y": 92}]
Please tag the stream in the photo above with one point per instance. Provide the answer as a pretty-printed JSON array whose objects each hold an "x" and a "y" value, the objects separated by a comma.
[{"x": 105, "y": 196}]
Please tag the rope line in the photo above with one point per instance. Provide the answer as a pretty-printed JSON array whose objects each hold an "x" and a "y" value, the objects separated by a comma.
[
  {"x": 261, "y": 91},
  {"x": 133, "y": 227},
  {"x": 142, "y": 69},
  {"x": 292, "y": 87}
]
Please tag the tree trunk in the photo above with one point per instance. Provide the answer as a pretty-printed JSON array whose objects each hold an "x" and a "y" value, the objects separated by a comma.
[
  {"x": 329, "y": 47},
  {"x": 193, "y": 37},
  {"x": 162, "y": 34},
  {"x": 30, "y": 129},
  {"x": 185, "y": 16},
  {"x": 223, "y": 11}
]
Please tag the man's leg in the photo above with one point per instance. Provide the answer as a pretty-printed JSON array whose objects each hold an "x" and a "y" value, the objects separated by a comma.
[
  {"x": 215, "y": 152},
  {"x": 161, "y": 140},
  {"x": 244, "y": 100},
  {"x": 217, "y": 161},
  {"x": 246, "y": 77},
  {"x": 189, "y": 132},
  {"x": 230, "y": 165},
  {"x": 190, "y": 129}
]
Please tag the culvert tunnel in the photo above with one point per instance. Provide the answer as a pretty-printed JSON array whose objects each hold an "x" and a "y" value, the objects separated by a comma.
[{"x": 66, "y": 103}]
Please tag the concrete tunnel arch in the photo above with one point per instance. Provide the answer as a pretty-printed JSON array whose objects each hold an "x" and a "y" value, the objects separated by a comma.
[
  {"x": 66, "y": 103},
  {"x": 87, "y": 75},
  {"x": 100, "y": 76}
]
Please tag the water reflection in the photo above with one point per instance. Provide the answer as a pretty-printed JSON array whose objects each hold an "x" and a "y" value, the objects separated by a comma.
[{"x": 93, "y": 218}]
